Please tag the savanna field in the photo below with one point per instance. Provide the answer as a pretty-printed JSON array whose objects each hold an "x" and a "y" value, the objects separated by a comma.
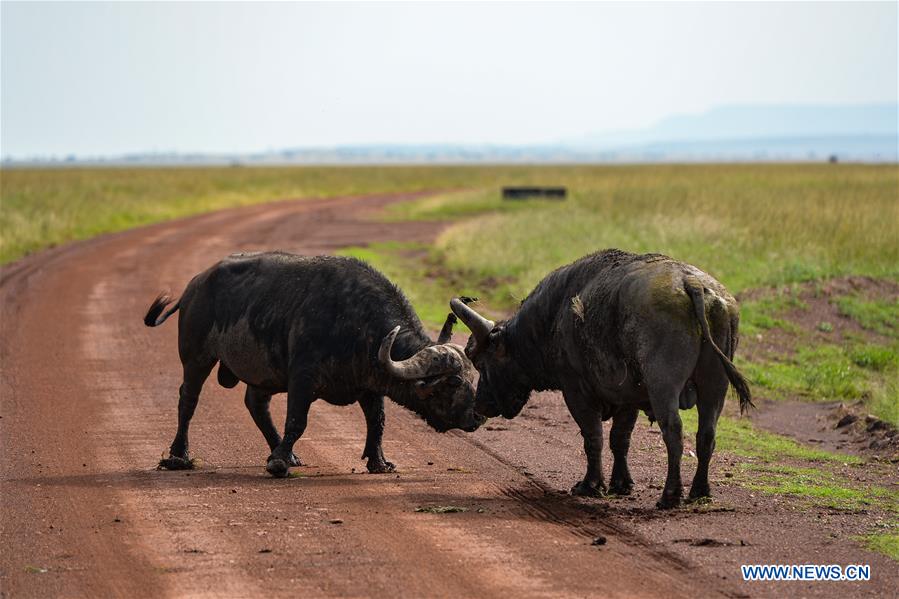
[{"x": 810, "y": 250}]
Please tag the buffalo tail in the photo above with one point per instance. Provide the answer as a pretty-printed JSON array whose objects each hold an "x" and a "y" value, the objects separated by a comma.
[
  {"x": 155, "y": 315},
  {"x": 694, "y": 290}
]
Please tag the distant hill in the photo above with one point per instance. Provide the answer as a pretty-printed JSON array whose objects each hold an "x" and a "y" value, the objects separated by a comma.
[
  {"x": 861, "y": 133},
  {"x": 761, "y": 122}
]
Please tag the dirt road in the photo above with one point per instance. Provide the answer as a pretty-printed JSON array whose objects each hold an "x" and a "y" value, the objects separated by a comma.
[{"x": 89, "y": 401}]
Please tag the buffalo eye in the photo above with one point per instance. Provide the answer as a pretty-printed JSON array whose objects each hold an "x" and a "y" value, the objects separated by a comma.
[{"x": 428, "y": 383}]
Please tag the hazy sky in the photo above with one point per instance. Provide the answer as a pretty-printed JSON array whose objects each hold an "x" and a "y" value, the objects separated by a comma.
[{"x": 101, "y": 79}]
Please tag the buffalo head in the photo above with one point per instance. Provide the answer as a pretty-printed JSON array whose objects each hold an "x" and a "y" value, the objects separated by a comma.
[
  {"x": 442, "y": 381},
  {"x": 502, "y": 388}
]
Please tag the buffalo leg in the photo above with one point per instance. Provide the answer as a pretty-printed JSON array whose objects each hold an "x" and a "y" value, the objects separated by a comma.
[
  {"x": 589, "y": 419},
  {"x": 711, "y": 394},
  {"x": 620, "y": 442},
  {"x": 299, "y": 399},
  {"x": 257, "y": 402},
  {"x": 373, "y": 408},
  {"x": 665, "y": 402},
  {"x": 195, "y": 375}
]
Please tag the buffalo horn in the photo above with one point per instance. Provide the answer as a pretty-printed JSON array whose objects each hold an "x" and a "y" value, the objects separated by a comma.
[
  {"x": 415, "y": 367},
  {"x": 480, "y": 326}
]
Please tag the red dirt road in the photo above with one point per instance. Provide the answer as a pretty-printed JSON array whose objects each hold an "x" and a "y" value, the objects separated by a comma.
[{"x": 89, "y": 400}]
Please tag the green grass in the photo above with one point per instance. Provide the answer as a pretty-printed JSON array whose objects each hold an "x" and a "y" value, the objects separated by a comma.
[
  {"x": 800, "y": 365},
  {"x": 776, "y": 465},
  {"x": 449, "y": 206},
  {"x": 766, "y": 313},
  {"x": 749, "y": 226},
  {"x": 880, "y": 316},
  {"x": 818, "y": 487},
  {"x": 829, "y": 372},
  {"x": 887, "y": 543},
  {"x": 40, "y": 208},
  {"x": 740, "y": 437},
  {"x": 875, "y": 357},
  {"x": 823, "y": 372}
]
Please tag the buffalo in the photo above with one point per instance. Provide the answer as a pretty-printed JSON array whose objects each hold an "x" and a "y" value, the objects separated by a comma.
[
  {"x": 617, "y": 333},
  {"x": 315, "y": 327}
]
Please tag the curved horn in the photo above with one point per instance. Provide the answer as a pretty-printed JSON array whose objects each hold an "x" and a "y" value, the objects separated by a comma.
[
  {"x": 415, "y": 367},
  {"x": 480, "y": 326}
]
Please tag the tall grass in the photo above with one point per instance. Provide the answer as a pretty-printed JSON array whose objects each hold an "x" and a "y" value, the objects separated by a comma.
[
  {"x": 45, "y": 207},
  {"x": 747, "y": 225}
]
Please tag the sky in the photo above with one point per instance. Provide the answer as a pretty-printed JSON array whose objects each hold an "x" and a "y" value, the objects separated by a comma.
[{"x": 97, "y": 79}]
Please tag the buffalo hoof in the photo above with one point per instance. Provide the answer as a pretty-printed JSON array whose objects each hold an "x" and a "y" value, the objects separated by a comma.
[
  {"x": 668, "y": 502},
  {"x": 381, "y": 467},
  {"x": 277, "y": 467},
  {"x": 700, "y": 494},
  {"x": 621, "y": 487},
  {"x": 585, "y": 489},
  {"x": 175, "y": 463},
  {"x": 294, "y": 460}
]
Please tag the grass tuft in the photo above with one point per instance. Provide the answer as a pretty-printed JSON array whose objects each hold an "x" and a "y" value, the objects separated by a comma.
[
  {"x": 880, "y": 316},
  {"x": 886, "y": 543}
]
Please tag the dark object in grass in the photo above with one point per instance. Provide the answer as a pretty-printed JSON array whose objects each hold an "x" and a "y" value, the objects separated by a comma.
[
  {"x": 600, "y": 540},
  {"x": 523, "y": 193}
]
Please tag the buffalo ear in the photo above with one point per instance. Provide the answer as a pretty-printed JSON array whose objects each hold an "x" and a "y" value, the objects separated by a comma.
[
  {"x": 497, "y": 341},
  {"x": 446, "y": 333}
]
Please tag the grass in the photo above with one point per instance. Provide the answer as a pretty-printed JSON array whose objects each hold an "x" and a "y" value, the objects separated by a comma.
[
  {"x": 887, "y": 543},
  {"x": 41, "y": 208},
  {"x": 740, "y": 437},
  {"x": 775, "y": 465},
  {"x": 765, "y": 313},
  {"x": 828, "y": 372},
  {"x": 858, "y": 366},
  {"x": 880, "y": 316},
  {"x": 819, "y": 488},
  {"x": 452, "y": 206},
  {"x": 749, "y": 226},
  {"x": 823, "y": 372}
]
